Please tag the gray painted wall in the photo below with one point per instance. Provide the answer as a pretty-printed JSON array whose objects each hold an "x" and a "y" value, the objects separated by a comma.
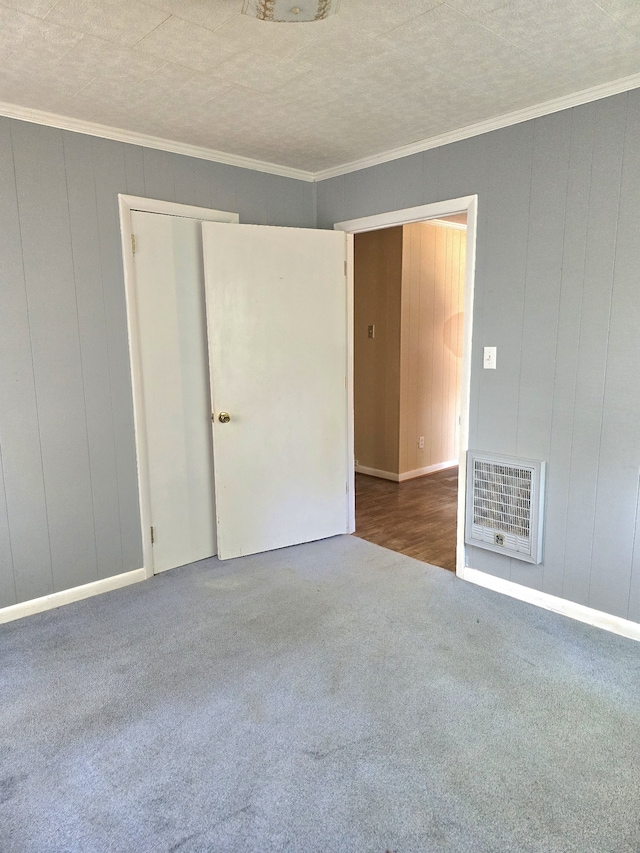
[
  {"x": 68, "y": 484},
  {"x": 558, "y": 292}
]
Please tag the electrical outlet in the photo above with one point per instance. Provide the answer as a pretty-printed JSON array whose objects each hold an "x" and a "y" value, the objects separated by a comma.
[{"x": 421, "y": 442}]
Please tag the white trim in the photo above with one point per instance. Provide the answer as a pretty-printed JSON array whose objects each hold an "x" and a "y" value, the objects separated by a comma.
[
  {"x": 575, "y": 99},
  {"x": 172, "y": 208},
  {"x": 133, "y": 138},
  {"x": 406, "y": 475},
  {"x": 615, "y": 624},
  {"x": 585, "y": 96},
  {"x": 429, "y": 469},
  {"x": 351, "y": 460},
  {"x": 376, "y": 472},
  {"x": 67, "y": 596},
  {"x": 127, "y": 203},
  {"x": 407, "y": 215},
  {"x": 468, "y": 204},
  {"x": 444, "y": 223}
]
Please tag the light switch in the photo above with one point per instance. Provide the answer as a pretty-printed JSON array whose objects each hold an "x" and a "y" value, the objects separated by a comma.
[{"x": 490, "y": 354}]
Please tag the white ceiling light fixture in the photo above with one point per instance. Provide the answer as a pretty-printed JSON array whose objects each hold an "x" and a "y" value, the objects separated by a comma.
[{"x": 290, "y": 11}]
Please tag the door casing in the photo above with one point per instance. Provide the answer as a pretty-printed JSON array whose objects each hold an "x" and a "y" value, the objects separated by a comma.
[
  {"x": 468, "y": 205},
  {"x": 465, "y": 204},
  {"x": 126, "y": 204}
]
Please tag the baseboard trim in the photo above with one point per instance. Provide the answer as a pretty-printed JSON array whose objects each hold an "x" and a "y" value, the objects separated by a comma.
[
  {"x": 67, "y": 596},
  {"x": 376, "y": 472},
  {"x": 580, "y": 612},
  {"x": 429, "y": 469},
  {"x": 407, "y": 475}
]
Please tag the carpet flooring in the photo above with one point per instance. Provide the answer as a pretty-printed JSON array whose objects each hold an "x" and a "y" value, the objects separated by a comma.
[{"x": 334, "y": 696}]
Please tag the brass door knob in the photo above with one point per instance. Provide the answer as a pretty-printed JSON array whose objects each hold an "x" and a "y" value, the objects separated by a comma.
[{"x": 224, "y": 417}]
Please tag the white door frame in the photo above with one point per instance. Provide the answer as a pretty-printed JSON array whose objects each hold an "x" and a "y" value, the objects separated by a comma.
[
  {"x": 468, "y": 205},
  {"x": 128, "y": 203}
]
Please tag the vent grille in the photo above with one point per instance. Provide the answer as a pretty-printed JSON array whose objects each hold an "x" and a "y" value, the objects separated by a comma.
[{"x": 504, "y": 505}]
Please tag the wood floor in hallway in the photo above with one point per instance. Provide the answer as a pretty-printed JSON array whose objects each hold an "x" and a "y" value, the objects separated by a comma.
[{"x": 416, "y": 518}]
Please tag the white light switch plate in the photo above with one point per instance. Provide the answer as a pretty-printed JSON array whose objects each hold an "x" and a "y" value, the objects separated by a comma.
[{"x": 490, "y": 354}]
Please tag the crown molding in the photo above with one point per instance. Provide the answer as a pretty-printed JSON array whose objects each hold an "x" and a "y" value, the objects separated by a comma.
[
  {"x": 565, "y": 102},
  {"x": 119, "y": 135},
  {"x": 575, "y": 99}
]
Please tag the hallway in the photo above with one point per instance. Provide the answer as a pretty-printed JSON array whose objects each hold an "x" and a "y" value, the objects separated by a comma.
[{"x": 416, "y": 518}]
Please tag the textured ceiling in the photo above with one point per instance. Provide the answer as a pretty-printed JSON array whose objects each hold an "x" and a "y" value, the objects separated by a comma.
[{"x": 378, "y": 75}]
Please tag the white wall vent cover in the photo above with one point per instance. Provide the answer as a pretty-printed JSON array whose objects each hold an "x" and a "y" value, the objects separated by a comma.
[{"x": 505, "y": 505}]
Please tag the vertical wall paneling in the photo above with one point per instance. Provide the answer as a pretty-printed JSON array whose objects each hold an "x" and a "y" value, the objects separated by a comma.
[
  {"x": 399, "y": 182},
  {"x": 203, "y": 175},
  {"x": 557, "y": 292},
  {"x": 222, "y": 184},
  {"x": 159, "y": 178},
  {"x": 94, "y": 351},
  {"x": 417, "y": 310},
  {"x": 432, "y": 295},
  {"x": 410, "y": 334},
  {"x": 134, "y": 169},
  {"x": 24, "y": 497},
  {"x": 410, "y": 285},
  {"x": 507, "y": 218},
  {"x": 109, "y": 168},
  {"x": 606, "y": 167},
  {"x": 377, "y": 301},
  {"x": 69, "y": 510},
  {"x": 7, "y": 577},
  {"x": 634, "y": 582},
  {"x": 279, "y": 201},
  {"x": 622, "y": 391},
  {"x": 184, "y": 181},
  {"x": 562, "y": 576},
  {"x": 549, "y": 177},
  {"x": 53, "y": 321},
  {"x": 619, "y": 459},
  {"x": 251, "y": 192}
]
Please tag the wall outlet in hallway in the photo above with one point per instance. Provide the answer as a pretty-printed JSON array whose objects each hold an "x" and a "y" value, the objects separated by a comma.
[{"x": 421, "y": 442}]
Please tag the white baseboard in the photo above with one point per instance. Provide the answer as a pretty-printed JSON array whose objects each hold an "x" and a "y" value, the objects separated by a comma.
[
  {"x": 76, "y": 593},
  {"x": 375, "y": 472},
  {"x": 615, "y": 624},
  {"x": 407, "y": 475},
  {"x": 429, "y": 469}
]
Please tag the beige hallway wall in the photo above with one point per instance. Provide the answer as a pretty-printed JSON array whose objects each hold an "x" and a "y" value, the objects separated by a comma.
[
  {"x": 433, "y": 270},
  {"x": 377, "y": 295},
  {"x": 409, "y": 284}
]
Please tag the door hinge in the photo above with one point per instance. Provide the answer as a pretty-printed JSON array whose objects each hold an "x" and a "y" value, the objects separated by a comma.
[
  {"x": 153, "y": 536},
  {"x": 345, "y": 269},
  {"x": 133, "y": 243}
]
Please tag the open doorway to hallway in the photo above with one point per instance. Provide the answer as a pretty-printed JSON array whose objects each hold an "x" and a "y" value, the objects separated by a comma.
[{"x": 409, "y": 283}]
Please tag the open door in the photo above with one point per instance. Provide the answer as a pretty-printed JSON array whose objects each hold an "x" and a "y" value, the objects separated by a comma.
[{"x": 277, "y": 335}]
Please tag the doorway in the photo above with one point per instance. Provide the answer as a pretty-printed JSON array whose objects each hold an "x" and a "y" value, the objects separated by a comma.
[
  {"x": 413, "y": 289},
  {"x": 239, "y": 372},
  {"x": 164, "y": 280}
]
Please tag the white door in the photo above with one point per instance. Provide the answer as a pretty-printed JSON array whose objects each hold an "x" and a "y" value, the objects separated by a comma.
[
  {"x": 175, "y": 386},
  {"x": 277, "y": 323}
]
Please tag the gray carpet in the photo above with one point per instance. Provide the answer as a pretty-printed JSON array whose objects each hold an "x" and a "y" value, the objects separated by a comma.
[{"x": 330, "y": 697}]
